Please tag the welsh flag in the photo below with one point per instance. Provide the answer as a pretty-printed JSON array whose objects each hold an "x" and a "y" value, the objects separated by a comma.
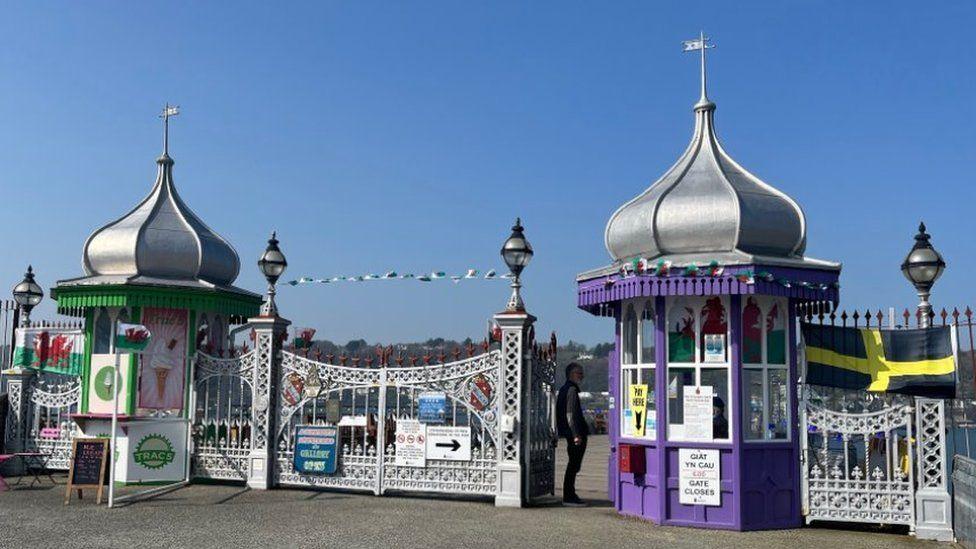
[
  {"x": 132, "y": 338},
  {"x": 56, "y": 350}
]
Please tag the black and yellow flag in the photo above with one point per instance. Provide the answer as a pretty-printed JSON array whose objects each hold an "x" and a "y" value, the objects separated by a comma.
[{"x": 914, "y": 362}]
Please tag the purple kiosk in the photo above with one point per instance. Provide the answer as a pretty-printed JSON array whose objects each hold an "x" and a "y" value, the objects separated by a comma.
[{"x": 708, "y": 271}]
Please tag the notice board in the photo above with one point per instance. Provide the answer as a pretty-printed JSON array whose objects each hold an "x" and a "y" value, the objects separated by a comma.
[{"x": 89, "y": 459}]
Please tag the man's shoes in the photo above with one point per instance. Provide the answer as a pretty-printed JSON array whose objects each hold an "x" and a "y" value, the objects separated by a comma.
[{"x": 574, "y": 502}]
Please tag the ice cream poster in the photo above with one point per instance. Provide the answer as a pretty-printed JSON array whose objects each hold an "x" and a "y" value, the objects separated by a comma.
[{"x": 163, "y": 363}]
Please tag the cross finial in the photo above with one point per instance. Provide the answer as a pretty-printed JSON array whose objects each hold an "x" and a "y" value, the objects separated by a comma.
[
  {"x": 700, "y": 43},
  {"x": 168, "y": 111}
]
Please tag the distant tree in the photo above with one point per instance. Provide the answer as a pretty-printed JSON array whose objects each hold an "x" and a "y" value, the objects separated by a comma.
[
  {"x": 356, "y": 345},
  {"x": 602, "y": 350}
]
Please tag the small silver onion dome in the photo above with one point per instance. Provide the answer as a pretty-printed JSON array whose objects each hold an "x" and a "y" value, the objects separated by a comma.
[
  {"x": 161, "y": 238},
  {"x": 707, "y": 204}
]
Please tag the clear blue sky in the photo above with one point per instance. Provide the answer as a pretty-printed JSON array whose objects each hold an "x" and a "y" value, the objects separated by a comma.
[{"x": 376, "y": 136}]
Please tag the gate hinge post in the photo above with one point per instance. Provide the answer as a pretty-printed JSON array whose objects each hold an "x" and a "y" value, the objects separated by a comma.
[
  {"x": 269, "y": 332},
  {"x": 515, "y": 328},
  {"x": 933, "y": 504}
]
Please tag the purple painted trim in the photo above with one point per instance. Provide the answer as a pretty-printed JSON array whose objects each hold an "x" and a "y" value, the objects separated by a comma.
[
  {"x": 793, "y": 375},
  {"x": 661, "y": 402},
  {"x": 594, "y": 292},
  {"x": 734, "y": 410}
]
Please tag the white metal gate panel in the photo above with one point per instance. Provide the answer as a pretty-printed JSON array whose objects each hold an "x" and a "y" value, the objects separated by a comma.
[
  {"x": 222, "y": 423},
  {"x": 367, "y": 402},
  {"x": 53, "y": 398},
  {"x": 857, "y": 464}
]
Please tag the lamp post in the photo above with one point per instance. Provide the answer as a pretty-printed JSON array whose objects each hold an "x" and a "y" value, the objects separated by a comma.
[
  {"x": 27, "y": 294},
  {"x": 272, "y": 265},
  {"x": 517, "y": 252},
  {"x": 922, "y": 267}
]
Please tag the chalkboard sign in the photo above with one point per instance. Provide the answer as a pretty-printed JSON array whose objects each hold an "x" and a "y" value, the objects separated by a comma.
[{"x": 89, "y": 458}]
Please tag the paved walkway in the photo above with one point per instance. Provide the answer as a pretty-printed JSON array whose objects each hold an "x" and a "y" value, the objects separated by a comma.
[{"x": 232, "y": 516}]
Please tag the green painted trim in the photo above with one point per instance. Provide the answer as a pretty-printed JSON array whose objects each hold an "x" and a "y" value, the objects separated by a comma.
[
  {"x": 218, "y": 301},
  {"x": 86, "y": 366},
  {"x": 135, "y": 315}
]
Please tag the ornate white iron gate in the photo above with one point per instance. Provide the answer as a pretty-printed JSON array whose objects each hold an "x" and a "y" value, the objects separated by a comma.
[
  {"x": 857, "y": 457},
  {"x": 222, "y": 416},
  {"x": 53, "y": 398},
  {"x": 366, "y": 404}
]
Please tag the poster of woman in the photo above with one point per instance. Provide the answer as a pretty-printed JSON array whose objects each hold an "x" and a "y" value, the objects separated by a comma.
[{"x": 164, "y": 362}]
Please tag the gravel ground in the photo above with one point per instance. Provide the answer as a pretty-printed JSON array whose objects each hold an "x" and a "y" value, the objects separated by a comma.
[{"x": 234, "y": 516}]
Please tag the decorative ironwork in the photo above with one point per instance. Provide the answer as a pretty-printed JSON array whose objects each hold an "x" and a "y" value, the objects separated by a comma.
[
  {"x": 541, "y": 436},
  {"x": 378, "y": 398},
  {"x": 53, "y": 398},
  {"x": 931, "y": 444},
  {"x": 222, "y": 422},
  {"x": 857, "y": 462}
]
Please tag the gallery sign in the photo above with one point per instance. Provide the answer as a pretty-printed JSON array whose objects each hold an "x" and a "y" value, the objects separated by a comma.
[
  {"x": 699, "y": 477},
  {"x": 315, "y": 449}
]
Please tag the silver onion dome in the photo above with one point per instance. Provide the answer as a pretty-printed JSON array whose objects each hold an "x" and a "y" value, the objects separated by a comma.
[
  {"x": 707, "y": 206},
  {"x": 160, "y": 240}
]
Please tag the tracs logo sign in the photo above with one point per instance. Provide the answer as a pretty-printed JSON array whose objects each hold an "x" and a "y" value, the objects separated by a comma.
[{"x": 154, "y": 452}]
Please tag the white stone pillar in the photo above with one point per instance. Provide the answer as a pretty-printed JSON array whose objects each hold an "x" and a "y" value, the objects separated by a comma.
[
  {"x": 266, "y": 374},
  {"x": 18, "y": 394},
  {"x": 511, "y": 421},
  {"x": 933, "y": 505}
]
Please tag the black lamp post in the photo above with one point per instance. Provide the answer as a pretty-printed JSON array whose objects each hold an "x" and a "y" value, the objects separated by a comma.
[
  {"x": 517, "y": 252},
  {"x": 27, "y": 294},
  {"x": 273, "y": 265},
  {"x": 922, "y": 267}
]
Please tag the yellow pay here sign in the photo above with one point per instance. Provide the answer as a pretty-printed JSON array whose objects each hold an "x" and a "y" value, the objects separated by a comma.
[{"x": 638, "y": 409}]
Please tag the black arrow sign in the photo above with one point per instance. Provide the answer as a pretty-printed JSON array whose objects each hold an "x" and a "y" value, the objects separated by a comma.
[{"x": 454, "y": 445}]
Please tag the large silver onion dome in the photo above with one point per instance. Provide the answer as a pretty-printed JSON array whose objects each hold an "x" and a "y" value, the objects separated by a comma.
[
  {"x": 160, "y": 240},
  {"x": 706, "y": 206}
]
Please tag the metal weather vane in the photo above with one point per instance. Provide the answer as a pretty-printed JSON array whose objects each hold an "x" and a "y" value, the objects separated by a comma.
[
  {"x": 168, "y": 111},
  {"x": 700, "y": 44}
]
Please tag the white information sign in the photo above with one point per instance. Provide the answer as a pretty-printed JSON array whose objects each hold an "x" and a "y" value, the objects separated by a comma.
[
  {"x": 411, "y": 448},
  {"x": 450, "y": 443},
  {"x": 699, "y": 477},
  {"x": 698, "y": 413}
]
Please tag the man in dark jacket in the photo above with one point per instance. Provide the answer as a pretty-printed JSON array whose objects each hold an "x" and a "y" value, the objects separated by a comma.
[{"x": 571, "y": 425}]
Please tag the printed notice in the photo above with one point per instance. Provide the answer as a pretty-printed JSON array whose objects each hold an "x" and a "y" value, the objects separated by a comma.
[
  {"x": 698, "y": 413},
  {"x": 699, "y": 477}
]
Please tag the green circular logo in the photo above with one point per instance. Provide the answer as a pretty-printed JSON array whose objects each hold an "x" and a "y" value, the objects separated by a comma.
[
  {"x": 103, "y": 382},
  {"x": 154, "y": 452}
]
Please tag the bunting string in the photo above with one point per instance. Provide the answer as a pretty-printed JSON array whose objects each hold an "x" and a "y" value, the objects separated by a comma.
[
  {"x": 663, "y": 269},
  {"x": 470, "y": 274}
]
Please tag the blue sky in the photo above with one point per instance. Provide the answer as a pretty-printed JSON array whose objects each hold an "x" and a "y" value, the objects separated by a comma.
[{"x": 377, "y": 136}]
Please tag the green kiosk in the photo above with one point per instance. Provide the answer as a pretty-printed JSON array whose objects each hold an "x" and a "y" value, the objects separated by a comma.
[{"x": 160, "y": 266}]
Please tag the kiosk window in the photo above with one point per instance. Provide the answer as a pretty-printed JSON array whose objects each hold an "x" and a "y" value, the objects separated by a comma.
[
  {"x": 698, "y": 357},
  {"x": 637, "y": 368},
  {"x": 765, "y": 376}
]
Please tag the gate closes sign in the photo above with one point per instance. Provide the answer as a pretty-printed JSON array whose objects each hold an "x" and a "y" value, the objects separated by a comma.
[
  {"x": 450, "y": 443},
  {"x": 699, "y": 477}
]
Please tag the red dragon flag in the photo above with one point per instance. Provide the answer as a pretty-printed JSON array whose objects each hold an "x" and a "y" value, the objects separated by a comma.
[{"x": 56, "y": 350}]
